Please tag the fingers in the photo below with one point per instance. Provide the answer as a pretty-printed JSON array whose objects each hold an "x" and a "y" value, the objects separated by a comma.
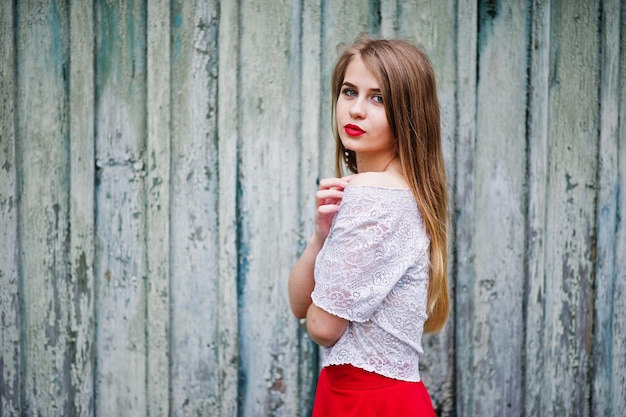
[
  {"x": 327, "y": 199},
  {"x": 338, "y": 183},
  {"x": 329, "y": 196},
  {"x": 330, "y": 191},
  {"x": 327, "y": 209}
]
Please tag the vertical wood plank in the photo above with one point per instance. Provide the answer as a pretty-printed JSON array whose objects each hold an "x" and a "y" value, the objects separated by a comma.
[
  {"x": 465, "y": 201},
  {"x": 228, "y": 140},
  {"x": 310, "y": 136},
  {"x": 567, "y": 217},
  {"x": 269, "y": 103},
  {"x": 537, "y": 202},
  {"x": 609, "y": 352},
  {"x": 608, "y": 186},
  {"x": 157, "y": 216},
  {"x": 618, "y": 328},
  {"x": 228, "y": 180},
  {"x": 43, "y": 168},
  {"x": 195, "y": 213},
  {"x": 82, "y": 208},
  {"x": 391, "y": 17},
  {"x": 432, "y": 26},
  {"x": 10, "y": 320},
  {"x": 120, "y": 252},
  {"x": 497, "y": 320}
]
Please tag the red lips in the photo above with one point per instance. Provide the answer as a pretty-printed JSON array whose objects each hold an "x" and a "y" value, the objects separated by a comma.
[{"x": 353, "y": 130}]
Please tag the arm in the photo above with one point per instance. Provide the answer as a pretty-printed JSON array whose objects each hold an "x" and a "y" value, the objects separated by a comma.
[
  {"x": 324, "y": 328},
  {"x": 301, "y": 279}
]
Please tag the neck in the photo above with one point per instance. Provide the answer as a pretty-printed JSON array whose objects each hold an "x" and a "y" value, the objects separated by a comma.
[{"x": 378, "y": 165}]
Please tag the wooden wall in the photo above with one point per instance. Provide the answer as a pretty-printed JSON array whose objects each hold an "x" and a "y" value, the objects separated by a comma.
[{"x": 157, "y": 168}]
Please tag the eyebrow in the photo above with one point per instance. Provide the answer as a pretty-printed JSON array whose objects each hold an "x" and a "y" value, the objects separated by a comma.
[{"x": 349, "y": 84}]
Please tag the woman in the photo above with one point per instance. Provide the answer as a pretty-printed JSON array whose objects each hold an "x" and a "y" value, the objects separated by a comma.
[{"x": 372, "y": 278}]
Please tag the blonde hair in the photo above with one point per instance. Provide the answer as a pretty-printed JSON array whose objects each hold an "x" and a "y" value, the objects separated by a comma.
[{"x": 408, "y": 87}]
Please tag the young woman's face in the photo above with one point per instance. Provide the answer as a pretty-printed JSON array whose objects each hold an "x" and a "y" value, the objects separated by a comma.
[{"x": 361, "y": 118}]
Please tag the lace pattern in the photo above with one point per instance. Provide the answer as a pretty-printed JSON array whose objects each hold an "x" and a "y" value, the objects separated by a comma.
[{"x": 373, "y": 271}]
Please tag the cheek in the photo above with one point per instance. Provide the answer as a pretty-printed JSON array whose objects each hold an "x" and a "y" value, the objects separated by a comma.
[{"x": 340, "y": 109}]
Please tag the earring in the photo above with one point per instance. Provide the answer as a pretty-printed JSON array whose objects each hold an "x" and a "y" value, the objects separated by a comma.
[{"x": 346, "y": 158}]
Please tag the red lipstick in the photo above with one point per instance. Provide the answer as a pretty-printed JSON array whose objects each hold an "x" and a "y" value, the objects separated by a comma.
[{"x": 353, "y": 130}]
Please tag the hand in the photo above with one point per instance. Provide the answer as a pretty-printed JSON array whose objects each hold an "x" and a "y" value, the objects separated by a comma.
[{"x": 327, "y": 201}]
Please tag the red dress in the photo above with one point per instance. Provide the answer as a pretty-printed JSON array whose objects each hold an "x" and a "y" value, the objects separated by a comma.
[{"x": 346, "y": 391}]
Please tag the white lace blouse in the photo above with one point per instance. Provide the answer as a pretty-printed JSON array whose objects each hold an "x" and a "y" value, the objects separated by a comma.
[{"x": 373, "y": 272}]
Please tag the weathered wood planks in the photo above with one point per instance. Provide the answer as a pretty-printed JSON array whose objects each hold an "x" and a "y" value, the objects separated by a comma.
[
  {"x": 267, "y": 204},
  {"x": 10, "y": 305},
  {"x": 495, "y": 325},
  {"x": 564, "y": 143},
  {"x": 121, "y": 256},
  {"x": 158, "y": 164},
  {"x": 609, "y": 350},
  {"x": 464, "y": 200},
  {"x": 158, "y": 173},
  {"x": 194, "y": 211},
  {"x": 42, "y": 161},
  {"x": 82, "y": 208},
  {"x": 228, "y": 144}
]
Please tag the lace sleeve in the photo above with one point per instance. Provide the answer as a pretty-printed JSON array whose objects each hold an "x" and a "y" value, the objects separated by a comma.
[{"x": 375, "y": 238}]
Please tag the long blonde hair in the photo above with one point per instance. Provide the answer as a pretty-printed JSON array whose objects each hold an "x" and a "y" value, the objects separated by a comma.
[{"x": 409, "y": 91}]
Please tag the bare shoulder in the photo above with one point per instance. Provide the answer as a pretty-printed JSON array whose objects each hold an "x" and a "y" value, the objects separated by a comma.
[{"x": 379, "y": 179}]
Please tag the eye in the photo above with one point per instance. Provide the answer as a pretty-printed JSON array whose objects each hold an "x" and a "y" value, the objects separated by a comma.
[
  {"x": 349, "y": 92},
  {"x": 377, "y": 98}
]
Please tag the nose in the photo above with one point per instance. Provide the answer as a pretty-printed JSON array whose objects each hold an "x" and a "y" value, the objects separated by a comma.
[{"x": 357, "y": 109}]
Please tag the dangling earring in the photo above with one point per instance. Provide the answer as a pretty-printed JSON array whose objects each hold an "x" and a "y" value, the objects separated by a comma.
[{"x": 346, "y": 158}]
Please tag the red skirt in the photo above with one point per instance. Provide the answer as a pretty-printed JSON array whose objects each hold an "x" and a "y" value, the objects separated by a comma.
[{"x": 346, "y": 391}]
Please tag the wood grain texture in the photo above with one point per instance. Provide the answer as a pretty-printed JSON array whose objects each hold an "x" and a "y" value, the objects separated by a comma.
[
  {"x": 158, "y": 158},
  {"x": 81, "y": 355},
  {"x": 537, "y": 200},
  {"x": 120, "y": 223},
  {"x": 496, "y": 322},
  {"x": 158, "y": 165},
  {"x": 568, "y": 213},
  {"x": 43, "y": 169},
  {"x": 267, "y": 203},
  {"x": 228, "y": 145},
  {"x": 465, "y": 200},
  {"x": 609, "y": 353},
  {"x": 194, "y": 211},
  {"x": 10, "y": 319}
]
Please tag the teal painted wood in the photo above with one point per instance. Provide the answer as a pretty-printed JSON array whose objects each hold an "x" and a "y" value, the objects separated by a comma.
[
  {"x": 537, "y": 200},
  {"x": 228, "y": 144},
  {"x": 464, "y": 201},
  {"x": 495, "y": 324},
  {"x": 563, "y": 301},
  {"x": 194, "y": 213},
  {"x": 10, "y": 306},
  {"x": 267, "y": 205},
  {"x": 82, "y": 208},
  {"x": 121, "y": 252},
  {"x": 178, "y": 145},
  {"x": 609, "y": 353},
  {"x": 158, "y": 158},
  {"x": 42, "y": 156}
]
